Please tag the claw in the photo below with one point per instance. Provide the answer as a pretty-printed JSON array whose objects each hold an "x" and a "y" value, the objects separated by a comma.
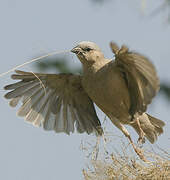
[
  {"x": 140, "y": 154},
  {"x": 141, "y": 140}
]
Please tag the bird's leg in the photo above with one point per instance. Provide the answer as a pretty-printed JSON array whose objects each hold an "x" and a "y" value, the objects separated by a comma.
[
  {"x": 141, "y": 138},
  {"x": 137, "y": 150},
  {"x": 126, "y": 133}
]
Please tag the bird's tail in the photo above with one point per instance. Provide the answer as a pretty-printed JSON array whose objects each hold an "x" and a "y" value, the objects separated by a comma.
[{"x": 151, "y": 126}]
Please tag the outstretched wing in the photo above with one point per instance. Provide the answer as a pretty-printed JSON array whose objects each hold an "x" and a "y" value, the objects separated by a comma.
[
  {"x": 56, "y": 102},
  {"x": 140, "y": 76}
]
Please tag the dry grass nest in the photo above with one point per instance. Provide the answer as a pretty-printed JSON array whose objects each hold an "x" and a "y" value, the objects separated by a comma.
[{"x": 123, "y": 165}]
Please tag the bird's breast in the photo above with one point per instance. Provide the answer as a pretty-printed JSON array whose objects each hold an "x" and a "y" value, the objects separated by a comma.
[{"x": 108, "y": 90}]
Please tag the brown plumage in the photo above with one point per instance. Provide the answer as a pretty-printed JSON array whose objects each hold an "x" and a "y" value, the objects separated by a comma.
[
  {"x": 122, "y": 89},
  {"x": 61, "y": 106}
]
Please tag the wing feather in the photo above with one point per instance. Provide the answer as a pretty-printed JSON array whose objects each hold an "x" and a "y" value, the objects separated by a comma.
[
  {"x": 36, "y": 107},
  {"x": 70, "y": 120},
  {"x": 20, "y": 90},
  {"x": 29, "y": 102},
  {"x": 14, "y": 102},
  {"x": 60, "y": 104},
  {"x": 140, "y": 76}
]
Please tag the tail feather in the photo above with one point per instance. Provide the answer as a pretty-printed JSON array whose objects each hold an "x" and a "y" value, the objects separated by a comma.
[
  {"x": 158, "y": 124},
  {"x": 151, "y": 126}
]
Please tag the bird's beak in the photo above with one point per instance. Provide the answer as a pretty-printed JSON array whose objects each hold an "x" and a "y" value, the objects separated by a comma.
[{"x": 76, "y": 50}]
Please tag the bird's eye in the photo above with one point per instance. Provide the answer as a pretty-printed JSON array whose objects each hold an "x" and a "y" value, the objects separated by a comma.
[{"x": 88, "y": 49}]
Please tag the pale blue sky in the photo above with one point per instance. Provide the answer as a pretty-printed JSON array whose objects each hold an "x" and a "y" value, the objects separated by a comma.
[{"x": 34, "y": 27}]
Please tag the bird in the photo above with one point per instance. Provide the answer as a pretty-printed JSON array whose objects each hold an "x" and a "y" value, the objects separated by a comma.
[{"x": 122, "y": 87}]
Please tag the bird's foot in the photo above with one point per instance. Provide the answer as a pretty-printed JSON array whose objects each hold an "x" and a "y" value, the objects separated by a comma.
[
  {"x": 141, "y": 139},
  {"x": 139, "y": 152}
]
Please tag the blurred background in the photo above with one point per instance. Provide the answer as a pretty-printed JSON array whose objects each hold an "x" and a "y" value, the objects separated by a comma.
[{"x": 32, "y": 28}]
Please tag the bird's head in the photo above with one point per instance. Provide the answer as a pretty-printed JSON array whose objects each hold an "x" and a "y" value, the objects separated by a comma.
[{"x": 88, "y": 52}]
